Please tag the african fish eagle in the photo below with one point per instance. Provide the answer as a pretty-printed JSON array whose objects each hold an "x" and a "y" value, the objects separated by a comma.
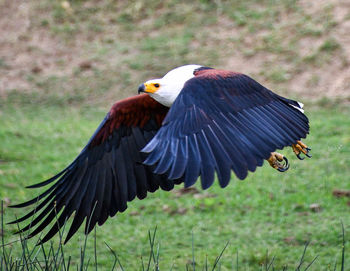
[{"x": 195, "y": 121}]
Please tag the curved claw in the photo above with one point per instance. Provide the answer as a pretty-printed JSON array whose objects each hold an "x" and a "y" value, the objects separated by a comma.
[
  {"x": 285, "y": 166},
  {"x": 299, "y": 157},
  {"x": 300, "y": 148},
  {"x": 276, "y": 161}
]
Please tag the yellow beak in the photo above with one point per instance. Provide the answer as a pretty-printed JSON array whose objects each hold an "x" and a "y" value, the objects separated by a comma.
[{"x": 147, "y": 87}]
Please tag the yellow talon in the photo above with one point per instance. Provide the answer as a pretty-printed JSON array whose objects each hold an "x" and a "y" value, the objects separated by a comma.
[
  {"x": 275, "y": 160},
  {"x": 299, "y": 148}
]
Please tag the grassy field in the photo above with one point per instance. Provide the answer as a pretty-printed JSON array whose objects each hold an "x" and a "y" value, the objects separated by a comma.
[
  {"x": 269, "y": 211},
  {"x": 62, "y": 65}
]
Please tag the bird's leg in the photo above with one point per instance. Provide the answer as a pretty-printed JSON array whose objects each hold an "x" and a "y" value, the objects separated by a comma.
[
  {"x": 275, "y": 161},
  {"x": 299, "y": 148}
]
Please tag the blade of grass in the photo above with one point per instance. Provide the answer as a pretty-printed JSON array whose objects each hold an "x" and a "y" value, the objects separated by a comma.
[
  {"x": 343, "y": 248},
  {"x": 206, "y": 262},
  {"x": 307, "y": 267},
  {"x": 60, "y": 246},
  {"x": 23, "y": 258},
  {"x": 193, "y": 260},
  {"x": 87, "y": 265},
  {"x": 271, "y": 264},
  {"x": 82, "y": 252},
  {"x": 95, "y": 252},
  {"x": 302, "y": 257},
  {"x": 151, "y": 241},
  {"x": 2, "y": 237},
  {"x": 157, "y": 257},
  {"x": 142, "y": 264},
  {"x": 115, "y": 257},
  {"x": 266, "y": 259},
  {"x": 69, "y": 260},
  {"x": 218, "y": 258}
]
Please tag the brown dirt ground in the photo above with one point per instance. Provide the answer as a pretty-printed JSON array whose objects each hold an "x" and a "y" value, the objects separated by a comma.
[
  {"x": 335, "y": 77},
  {"x": 26, "y": 49},
  {"x": 331, "y": 80}
]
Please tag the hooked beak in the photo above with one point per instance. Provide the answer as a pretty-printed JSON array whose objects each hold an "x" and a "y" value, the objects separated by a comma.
[{"x": 141, "y": 88}]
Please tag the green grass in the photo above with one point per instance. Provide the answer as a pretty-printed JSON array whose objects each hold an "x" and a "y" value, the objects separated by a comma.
[{"x": 269, "y": 211}]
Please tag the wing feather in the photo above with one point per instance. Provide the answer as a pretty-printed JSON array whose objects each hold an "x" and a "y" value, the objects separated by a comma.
[
  {"x": 230, "y": 122},
  {"x": 194, "y": 161},
  {"x": 106, "y": 174},
  {"x": 208, "y": 161}
]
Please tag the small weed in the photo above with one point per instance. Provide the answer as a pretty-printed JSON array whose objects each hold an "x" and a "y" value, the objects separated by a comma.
[
  {"x": 278, "y": 75},
  {"x": 3, "y": 64},
  {"x": 330, "y": 45}
]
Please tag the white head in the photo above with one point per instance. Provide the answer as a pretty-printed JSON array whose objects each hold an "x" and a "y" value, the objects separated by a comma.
[{"x": 166, "y": 89}]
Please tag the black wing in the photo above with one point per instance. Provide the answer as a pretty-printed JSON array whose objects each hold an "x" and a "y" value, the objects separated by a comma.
[
  {"x": 106, "y": 174},
  {"x": 221, "y": 121}
]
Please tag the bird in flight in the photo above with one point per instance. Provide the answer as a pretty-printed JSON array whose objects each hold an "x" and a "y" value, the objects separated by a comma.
[{"x": 195, "y": 121}]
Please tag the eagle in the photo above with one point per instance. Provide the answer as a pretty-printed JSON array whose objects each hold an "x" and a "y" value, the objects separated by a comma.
[{"x": 194, "y": 122}]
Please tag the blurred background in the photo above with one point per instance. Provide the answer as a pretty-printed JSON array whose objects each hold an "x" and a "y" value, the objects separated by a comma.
[
  {"x": 61, "y": 52},
  {"x": 64, "y": 63}
]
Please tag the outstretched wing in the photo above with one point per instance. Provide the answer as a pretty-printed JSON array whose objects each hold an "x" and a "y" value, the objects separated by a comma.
[
  {"x": 107, "y": 173},
  {"x": 220, "y": 121}
]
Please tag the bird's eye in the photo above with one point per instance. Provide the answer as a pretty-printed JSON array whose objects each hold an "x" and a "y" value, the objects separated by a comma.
[{"x": 156, "y": 85}]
